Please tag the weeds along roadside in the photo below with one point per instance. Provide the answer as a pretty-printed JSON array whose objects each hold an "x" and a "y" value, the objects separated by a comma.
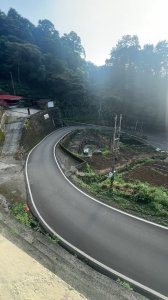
[
  {"x": 22, "y": 213},
  {"x": 137, "y": 198}
]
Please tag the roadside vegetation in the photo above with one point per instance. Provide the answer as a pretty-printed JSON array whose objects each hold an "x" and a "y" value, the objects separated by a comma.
[
  {"x": 141, "y": 181},
  {"x": 138, "y": 198},
  {"x": 124, "y": 284},
  {"x": 23, "y": 214}
]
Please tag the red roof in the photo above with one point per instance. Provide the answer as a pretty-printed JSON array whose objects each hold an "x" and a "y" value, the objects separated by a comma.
[{"x": 10, "y": 97}]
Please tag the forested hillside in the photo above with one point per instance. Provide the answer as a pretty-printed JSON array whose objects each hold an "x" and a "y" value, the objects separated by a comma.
[{"x": 133, "y": 81}]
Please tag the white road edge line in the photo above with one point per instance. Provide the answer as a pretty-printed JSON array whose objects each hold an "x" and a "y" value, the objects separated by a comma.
[{"x": 143, "y": 287}]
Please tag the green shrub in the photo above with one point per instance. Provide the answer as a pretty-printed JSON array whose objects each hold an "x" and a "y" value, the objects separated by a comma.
[
  {"x": 161, "y": 196},
  {"x": 155, "y": 196},
  {"x": 27, "y": 124},
  {"x": 157, "y": 207},
  {"x": 125, "y": 284},
  {"x": 2, "y": 136},
  {"x": 143, "y": 197},
  {"x": 53, "y": 238},
  {"x": 21, "y": 213},
  {"x": 88, "y": 179},
  {"x": 106, "y": 151},
  {"x": 88, "y": 169}
]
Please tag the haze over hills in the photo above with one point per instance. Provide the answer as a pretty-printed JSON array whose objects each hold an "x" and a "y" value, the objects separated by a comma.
[{"x": 44, "y": 64}]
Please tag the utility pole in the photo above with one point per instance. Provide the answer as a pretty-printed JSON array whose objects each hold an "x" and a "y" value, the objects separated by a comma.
[
  {"x": 136, "y": 124},
  {"x": 12, "y": 83},
  {"x": 99, "y": 112},
  {"x": 119, "y": 133},
  {"x": 141, "y": 129},
  {"x": 114, "y": 134},
  {"x": 115, "y": 147}
]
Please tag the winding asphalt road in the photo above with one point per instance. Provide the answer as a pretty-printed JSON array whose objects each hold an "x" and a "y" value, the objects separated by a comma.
[{"x": 135, "y": 249}]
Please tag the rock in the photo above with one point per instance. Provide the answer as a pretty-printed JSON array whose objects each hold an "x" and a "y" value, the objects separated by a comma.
[
  {"x": 2, "y": 199},
  {"x": 6, "y": 209},
  {"x": 73, "y": 170},
  {"x": 4, "y": 205}
]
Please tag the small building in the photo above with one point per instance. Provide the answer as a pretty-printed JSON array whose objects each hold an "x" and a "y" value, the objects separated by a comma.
[{"x": 9, "y": 100}]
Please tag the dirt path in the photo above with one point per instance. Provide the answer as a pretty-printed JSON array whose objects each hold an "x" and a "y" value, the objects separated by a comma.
[
  {"x": 12, "y": 137},
  {"x": 14, "y": 129}
]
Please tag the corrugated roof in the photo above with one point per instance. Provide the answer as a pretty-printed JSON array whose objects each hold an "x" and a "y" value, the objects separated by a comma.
[{"x": 10, "y": 97}]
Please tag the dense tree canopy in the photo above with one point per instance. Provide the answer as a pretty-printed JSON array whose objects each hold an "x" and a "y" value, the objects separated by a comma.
[
  {"x": 140, "y": 79},
  {"x": 133, "y": 81}
]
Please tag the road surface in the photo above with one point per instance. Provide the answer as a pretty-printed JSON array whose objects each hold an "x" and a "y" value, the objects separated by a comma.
[
  {"x": 135, "y": 249},
  {"x": 158, "y": 140}
]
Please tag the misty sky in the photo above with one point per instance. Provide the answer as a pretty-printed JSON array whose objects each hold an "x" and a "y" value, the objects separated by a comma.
[{"x": 99, "y": 23}]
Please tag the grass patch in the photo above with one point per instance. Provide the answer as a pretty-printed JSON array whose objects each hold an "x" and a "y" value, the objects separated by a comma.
[
  {"x": 106, "y": 151},
  {"x": 88, "y": 169}
]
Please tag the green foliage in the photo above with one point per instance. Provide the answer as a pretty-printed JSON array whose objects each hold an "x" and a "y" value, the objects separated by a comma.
[
  {"x": 88, "y": 169},
  {"x": 143, "y": 194},
  {"x": 53, "y": 238},
  {"x": 155, "y": 197},
  {"x": 125, "y": 284},
  {"x": 2, "y": 136},
  {"x": 90, "y": 177},
  {"x": 106, "y": 151},
  {"x": 55, "y": 67},
  {"x": 26, "y": 124},
  {"x": 141, "y": 198},
  {"x": 38, "y": 57},
  {"x": 20, "y": 212}
]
